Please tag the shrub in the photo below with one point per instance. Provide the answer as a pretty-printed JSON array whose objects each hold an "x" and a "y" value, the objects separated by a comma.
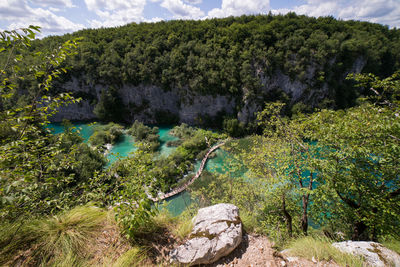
[
  {"x": 106, "y": 134},
  {"x": 143, "y": 133}
]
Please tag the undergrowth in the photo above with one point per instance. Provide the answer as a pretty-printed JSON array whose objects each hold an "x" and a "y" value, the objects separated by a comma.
[
  {"x": 320, "y": 249},
  {"x": 179, "y": 226},
  {"x": 136, "y": 256},
  {"x": 58, "y": 240},
  {"x": 68, "y": 239},
  {"x": 72, "y": 239},
  {"x": 391, "y": 243}
]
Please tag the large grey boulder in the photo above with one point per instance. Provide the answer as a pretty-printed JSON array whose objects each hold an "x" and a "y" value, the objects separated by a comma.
[
  {"x": 217, "y": 232},
  {"x": 374, "y": 253}
]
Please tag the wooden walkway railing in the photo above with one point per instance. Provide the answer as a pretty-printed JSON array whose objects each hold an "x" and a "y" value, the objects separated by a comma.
[{"x": 191, "y": 181}]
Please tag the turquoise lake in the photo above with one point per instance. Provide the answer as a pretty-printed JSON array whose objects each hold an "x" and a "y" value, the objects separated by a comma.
[{"x": 126, "y": 145}]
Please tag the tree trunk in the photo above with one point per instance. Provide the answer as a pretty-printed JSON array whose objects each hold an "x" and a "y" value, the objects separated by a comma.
[
  {"x": 304, "y": 217},
  {"x": 360, "y": 232},
  {"x": 288, "y": 218},
  {"x": 305, "y": 198}
]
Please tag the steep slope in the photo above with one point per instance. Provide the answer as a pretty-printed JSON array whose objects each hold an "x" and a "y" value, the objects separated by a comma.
[{"x": 192, "y": 71}]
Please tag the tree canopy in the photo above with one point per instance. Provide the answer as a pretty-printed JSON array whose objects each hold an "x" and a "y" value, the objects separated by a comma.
[{"x": 232, "y": 56}]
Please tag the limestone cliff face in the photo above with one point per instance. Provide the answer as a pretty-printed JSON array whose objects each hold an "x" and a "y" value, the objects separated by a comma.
[
  {"x": 79, "y": 111},
  {"x": 305, "y": 89},
  {"x": 146, "y": 102}
]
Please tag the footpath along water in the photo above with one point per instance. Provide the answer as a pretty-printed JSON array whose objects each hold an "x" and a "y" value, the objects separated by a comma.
[{"x": 126, "y": 145}]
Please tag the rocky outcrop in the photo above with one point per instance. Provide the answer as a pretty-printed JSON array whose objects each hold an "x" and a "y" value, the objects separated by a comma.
[
  {"x": 81, "y": 111},
  {"x": 307, "y": 89},
  {"x": 145, "y": 103},
  {"x": 217, "y": 232},
  {"x": 374, "y": 253},
  {"x": 149, "y": 103}
]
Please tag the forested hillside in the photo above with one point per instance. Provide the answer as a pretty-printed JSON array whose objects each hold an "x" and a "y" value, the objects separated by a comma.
[{"x": 194, "y": 70}]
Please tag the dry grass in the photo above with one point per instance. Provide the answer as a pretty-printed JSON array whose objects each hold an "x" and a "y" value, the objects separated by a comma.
[
  {"x": 320, "y": 248},
  {"x": 89, "y": 236},
  {"x": 58, "y": 240},
  {"x": 83, "y": 236},
  {"x": 391, "y": 243}
]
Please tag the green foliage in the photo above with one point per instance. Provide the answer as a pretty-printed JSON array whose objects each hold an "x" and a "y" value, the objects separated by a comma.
[
  {"x": 143, "y": 133},
  {"x": 358, "y": 149},
  {"x": 320, "y": 249},
  {"x": 358, "y": 161},
  {"x": 110, "y": 106},
  {"x": 182, "y": 131},
  {"x": 86, "y": 162},
  {"x": 286, "y": 161},
  {"x": 106, "y": 134},
  {"x": 231, "y": 56},
  {"x": 39, "y": 172},
  {"x": 231, "y": 186},
  {"x": 233, "y": 127},
  {"x": 136, "y": 175},
  {"x": 179, "y": 226},
  {"x": 339, "y": 168},
  {"x": 384, "y": 92}
]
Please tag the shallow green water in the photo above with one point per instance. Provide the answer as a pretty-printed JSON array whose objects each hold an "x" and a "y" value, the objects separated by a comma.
[
  {"x": 122, "y": 148},
  {"x": 176, "y": 204},
  {"x": 85, "y": 129},
  {"x": 164, "y": 138}
]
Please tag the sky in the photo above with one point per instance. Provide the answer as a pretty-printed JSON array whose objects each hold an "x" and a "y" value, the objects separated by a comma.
[{"x": 57, "y": 17}]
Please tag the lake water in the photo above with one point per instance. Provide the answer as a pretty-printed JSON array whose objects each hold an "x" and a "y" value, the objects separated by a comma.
[{"x": 126, "y": 145}]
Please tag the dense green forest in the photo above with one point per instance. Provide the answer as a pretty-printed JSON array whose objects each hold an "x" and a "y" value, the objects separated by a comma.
[
  {"x": 232, "y": 56},
  {"x": 303, "y": 172}
]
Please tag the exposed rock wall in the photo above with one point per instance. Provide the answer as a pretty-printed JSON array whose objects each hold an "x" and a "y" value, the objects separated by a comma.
[
  {"x": 146, "y": 102},
  {"x": 81, "y": 111}
]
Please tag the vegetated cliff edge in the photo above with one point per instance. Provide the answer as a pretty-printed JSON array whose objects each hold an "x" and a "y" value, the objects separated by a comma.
[
  {"x": 146, "y": 102},
  {"x": 199, "y": 72}
]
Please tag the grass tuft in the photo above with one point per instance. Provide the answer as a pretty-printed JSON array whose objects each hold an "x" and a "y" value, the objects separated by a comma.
[
  {"x": 132, "y": 258},
  {"x": 392, "y": 244},
  {"x": 180, "y": 226},
  {"x": 321, "y": 249},
  {"x": 68, "y": 233},
  {"x": 55, "y": 241},
  {"x": 183, "y": 228}
]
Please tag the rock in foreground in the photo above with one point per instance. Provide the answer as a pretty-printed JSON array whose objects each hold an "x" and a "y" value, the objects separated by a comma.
[
  {"x": 374, "y": 253},
  {"x": 217, "y": 232}
]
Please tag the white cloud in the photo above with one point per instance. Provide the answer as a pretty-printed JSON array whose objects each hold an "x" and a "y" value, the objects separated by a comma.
[
  {"x": 54, "y": 9},
  {"x": 194, "y": 2},
  {"x": 20, "y": 14},
  {"x": 115, "y": 12},
  {"x": 379, "y": 11},
  {"x": 155, "y": 19},
  {"x": 12, "y": 8},
  {"x": 181, "y": 10},
  {"x": 59, "y": 3},
  {"x": 239, "y": 7}
]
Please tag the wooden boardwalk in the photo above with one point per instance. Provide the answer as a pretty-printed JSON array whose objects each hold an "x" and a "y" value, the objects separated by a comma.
[{"x": 191, "y": 181}]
